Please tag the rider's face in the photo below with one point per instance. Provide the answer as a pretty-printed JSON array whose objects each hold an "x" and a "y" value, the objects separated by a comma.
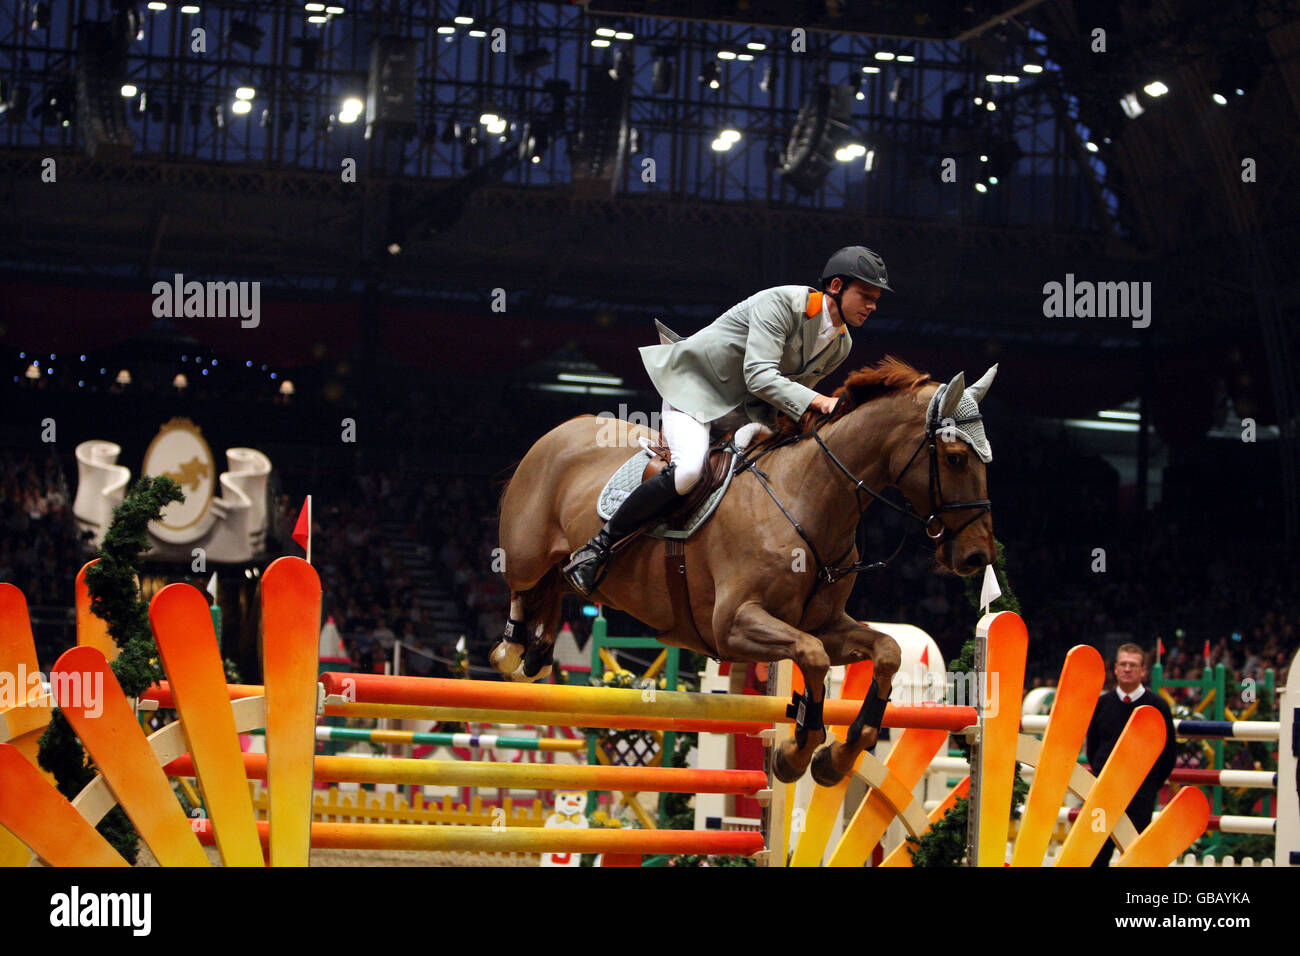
[{"x": 858, "y": 302}]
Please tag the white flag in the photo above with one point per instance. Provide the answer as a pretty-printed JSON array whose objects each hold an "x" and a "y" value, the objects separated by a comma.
[
  {"x": 989, "y": 590},
  {"x": 212, "y": 587}
]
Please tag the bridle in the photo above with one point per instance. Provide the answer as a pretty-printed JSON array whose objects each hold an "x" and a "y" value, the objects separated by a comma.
[{"x": 935, "y": 527}]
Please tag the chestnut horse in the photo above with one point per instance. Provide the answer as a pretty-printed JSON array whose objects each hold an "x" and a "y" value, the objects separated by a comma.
[{"x": 757, "y": 587}]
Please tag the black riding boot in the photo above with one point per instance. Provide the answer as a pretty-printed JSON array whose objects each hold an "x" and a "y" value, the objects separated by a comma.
[{"x": 586, "y": 566}]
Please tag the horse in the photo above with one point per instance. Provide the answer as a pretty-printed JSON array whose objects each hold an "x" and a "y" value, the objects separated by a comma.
[{"x": 754, "y": 593}]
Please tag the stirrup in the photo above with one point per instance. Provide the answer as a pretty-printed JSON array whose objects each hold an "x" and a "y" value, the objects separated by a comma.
[{"x": 594, "y": 553}]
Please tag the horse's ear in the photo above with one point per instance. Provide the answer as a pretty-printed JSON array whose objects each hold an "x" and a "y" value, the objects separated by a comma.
[
  {"x": 952, "y": 396},
  {"x": 980, "y": 388}
]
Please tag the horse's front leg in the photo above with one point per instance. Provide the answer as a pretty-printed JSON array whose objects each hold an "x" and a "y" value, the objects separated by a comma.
[
  {"x": 755, "y": 635},
  {"x": 847, "y": 641}
]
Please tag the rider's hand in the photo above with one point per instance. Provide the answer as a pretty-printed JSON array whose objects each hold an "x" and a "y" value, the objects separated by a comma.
[{"x": 823, "y": 403}]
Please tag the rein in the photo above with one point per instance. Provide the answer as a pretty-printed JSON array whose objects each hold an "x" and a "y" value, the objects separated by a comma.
[{"x": 934, "y": 526}]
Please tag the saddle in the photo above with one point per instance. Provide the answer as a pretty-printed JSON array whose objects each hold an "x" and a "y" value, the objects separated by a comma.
[{"x": 718, "y": 463}]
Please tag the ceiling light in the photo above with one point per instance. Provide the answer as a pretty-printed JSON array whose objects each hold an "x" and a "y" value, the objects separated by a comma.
[
  {"x": 129, "y": 90},
  {"x": 1032, "y": 68},
  {"x": 981, "y": 188},
  {"x": 241, "y": 107},
  {"x": 1155, "y": 88},
  {"x": 600, "y": 43},
  {"x": 884, "y": 55},
  {"x": 755, "y": 45},
  {"x": 1218, "y": 98},
  {"x": 1090, "y": 146},
  {"x": 624, "y": 35},
  {"x": 245, "y": 93},
  {"x": 906, "y": 58},
  {"x": 871, "y": 69},
  {"x": 605, "y": 32},
  {"x": 465, "y": 21},
  {"x": 726, "y": 54},
  {"x": 730, "y": 135}
]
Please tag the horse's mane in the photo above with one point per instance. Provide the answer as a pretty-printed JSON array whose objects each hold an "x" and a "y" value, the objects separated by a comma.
[{"x": 886, "y": 377}]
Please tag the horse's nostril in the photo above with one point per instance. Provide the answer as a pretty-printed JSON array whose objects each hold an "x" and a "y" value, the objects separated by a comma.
[{"x": 976, "y": 560}]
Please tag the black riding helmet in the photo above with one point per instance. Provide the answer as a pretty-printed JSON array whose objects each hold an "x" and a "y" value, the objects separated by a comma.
[
  {"x": 857, "y": 262},
  {"x": 854, "y": 262}
]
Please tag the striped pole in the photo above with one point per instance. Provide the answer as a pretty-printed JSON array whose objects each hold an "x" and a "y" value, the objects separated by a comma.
[
  {"x": 520, "y": 776},
  {"x": 1225, "y": 823},
  {"x": 439, "y": 739},
  {"x": 471, "y": 839},
  {"x": 1214, "y": 729}
]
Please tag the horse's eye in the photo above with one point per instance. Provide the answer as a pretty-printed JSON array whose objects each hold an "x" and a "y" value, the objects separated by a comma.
[{"x": 956, "y": 460}]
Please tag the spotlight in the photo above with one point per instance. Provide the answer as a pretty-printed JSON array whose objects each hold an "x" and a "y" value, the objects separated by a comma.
[
  {"x": 1131, "y": 105},
  {"x": 661, "y": 76},
  {"x": 245, "y": 33},
  {"x": 530, "y": 61}
]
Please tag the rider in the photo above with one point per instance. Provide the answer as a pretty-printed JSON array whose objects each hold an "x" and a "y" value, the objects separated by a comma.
[{"x": 764, "y": 353}]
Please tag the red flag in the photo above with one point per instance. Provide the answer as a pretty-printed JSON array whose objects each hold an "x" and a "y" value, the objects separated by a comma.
[
  {"x": 302, "y": 530},
  {"x": 1207, "y": 650},
  {"x": 925, "y": 655},
  {"x": 1160, "y": 648}
]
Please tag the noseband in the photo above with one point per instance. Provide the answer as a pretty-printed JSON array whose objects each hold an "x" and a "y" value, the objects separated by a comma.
[{"x": 934, "y": 526}]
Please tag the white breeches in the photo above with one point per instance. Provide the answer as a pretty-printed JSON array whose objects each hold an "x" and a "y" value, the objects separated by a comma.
[{"x": 688, "y": 440}]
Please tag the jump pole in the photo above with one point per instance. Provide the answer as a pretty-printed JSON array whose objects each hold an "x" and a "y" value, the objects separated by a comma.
[
  {"x": 521, "y": 776},
  {"x": 475, "y": 839}
]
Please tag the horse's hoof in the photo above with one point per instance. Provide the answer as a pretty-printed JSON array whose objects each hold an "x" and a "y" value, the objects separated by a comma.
[
  {"x": 782, "y": 769},
  {"x": 506, "y": 657},
  {"x": 823, "y": 768},
  {"x": 521, "y": 674}
]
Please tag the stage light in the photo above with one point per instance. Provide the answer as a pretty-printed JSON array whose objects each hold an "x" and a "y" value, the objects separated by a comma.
[
  {"x": 726, "y": 54},
  {"x": 871, "y": 69},
  {"x": 599, "y": 43},
  {"x": 884, "y": 55},
  {"x": 245, "y": 93},
  {"x": 730, "y": 134},
  {"x": 1220, "y": 99},
  {"x": 245, "y": 34},
  {"x": 1155, "y": 88},
  {"x": 241, "y": 107},
  {"x": 1090, "y": 146},
  {"x": 662, "y": 72},
  {"x": 464, "y": 20},
  {"x": 532, "y": 60},
  {"x": 624, "y": 36},
  {"x": 1131, "y": 105},
  {"x": 981, "y": 188},
  {"x": 755, "y": 45},
  {"x": 1032, "y": 68},
  {"x": 129, "y": 90}
]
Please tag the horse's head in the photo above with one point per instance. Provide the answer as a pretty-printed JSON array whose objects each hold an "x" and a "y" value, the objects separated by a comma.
[{"x": 943, "y": 472}]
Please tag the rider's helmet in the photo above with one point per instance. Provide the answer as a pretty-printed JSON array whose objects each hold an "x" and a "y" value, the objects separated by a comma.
[{"x": 856, "y": 262}]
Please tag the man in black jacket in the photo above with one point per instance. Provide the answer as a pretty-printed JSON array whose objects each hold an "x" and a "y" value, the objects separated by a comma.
[{"x": 1113, "y": 711}]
